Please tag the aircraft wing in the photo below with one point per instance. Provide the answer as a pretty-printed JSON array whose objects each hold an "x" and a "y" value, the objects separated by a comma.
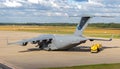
[{"x": 33, "y": 40}]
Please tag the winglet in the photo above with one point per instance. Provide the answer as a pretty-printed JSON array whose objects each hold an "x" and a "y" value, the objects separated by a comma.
[
  {"x": 111, "y": 38},
  {"x": 7, "y": 41}
]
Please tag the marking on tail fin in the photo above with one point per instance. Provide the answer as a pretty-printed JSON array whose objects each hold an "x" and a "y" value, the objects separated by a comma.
[
  {"x": 82, "y": 22},
  {"x": 82, "y": 25}
]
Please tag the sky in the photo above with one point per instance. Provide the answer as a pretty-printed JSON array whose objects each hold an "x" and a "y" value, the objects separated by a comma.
[{"x": 52, "y": 11}]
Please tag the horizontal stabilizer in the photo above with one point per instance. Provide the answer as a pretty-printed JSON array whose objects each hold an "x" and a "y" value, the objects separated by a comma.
[{"x": 92, "y": 39}]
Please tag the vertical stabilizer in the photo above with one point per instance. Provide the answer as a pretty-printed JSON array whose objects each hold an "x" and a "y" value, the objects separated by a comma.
[{"x": 82, "y": 25}]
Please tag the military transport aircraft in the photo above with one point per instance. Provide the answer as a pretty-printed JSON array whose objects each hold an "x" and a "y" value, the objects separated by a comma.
[{"x": 61, "y": 42}]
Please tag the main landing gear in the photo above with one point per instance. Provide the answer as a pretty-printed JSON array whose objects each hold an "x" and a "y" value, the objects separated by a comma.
[{"x": 44, "y": 45}]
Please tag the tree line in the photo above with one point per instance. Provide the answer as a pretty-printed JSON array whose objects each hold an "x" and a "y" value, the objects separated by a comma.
[
  {"x": 100, "y": 25},
  {"x": 41, "y": 24},
  {"x": 105, "y": 25}
]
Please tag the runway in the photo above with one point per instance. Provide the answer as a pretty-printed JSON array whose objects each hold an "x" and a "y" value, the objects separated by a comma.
[{"x": 30, "y": 57}]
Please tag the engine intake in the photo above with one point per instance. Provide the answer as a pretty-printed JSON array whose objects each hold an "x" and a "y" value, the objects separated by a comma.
[
  {"x": 24, "y": 44},
  {"x": 34, "y": 42}
]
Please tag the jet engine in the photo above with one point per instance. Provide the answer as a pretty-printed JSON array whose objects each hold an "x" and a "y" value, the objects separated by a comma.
[
  {"x": 33, "y": 42},
  {"x": 24, "y": 44}
]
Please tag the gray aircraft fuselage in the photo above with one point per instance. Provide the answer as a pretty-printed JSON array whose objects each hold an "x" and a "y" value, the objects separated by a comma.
[{"x": 63, "y": 42}]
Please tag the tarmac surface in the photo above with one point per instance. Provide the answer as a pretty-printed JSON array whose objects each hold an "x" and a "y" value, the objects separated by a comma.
[
  {"x": 2, "y": 66},
  {"x": 30, "y": 57}
]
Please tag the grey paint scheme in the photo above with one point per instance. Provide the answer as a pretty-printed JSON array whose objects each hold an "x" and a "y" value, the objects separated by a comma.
[{"x": 61, "y": 42}]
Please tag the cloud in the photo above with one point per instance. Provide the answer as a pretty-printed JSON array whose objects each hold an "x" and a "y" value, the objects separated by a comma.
[
  {"x": 33, "y": 1},
  {"x": 38, "y": 8},
  {"x": 13, "y": 3}
]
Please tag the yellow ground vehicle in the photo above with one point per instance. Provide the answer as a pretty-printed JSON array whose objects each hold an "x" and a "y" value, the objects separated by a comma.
[{"x": 96, "y": 48}]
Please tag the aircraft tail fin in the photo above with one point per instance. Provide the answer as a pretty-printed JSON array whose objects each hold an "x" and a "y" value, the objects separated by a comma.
[{"x": 82, "y": 25}]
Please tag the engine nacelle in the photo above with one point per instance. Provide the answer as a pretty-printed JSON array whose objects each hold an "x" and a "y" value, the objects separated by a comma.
[
  {"x": 33, "y": 42},
  {"x": 24, "y": 44},
  {"x": 91, "y": 40}
]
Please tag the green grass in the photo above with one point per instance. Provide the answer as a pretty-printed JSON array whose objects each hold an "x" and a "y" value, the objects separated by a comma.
[
  {"x": 103, "y": 35},
  {"x": 89, "y": 31},
  {"x": 98, "y": 66}
]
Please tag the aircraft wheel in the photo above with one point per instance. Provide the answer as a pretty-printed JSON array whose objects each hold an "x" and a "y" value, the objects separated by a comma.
[{"x": 47, "y": 49}]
